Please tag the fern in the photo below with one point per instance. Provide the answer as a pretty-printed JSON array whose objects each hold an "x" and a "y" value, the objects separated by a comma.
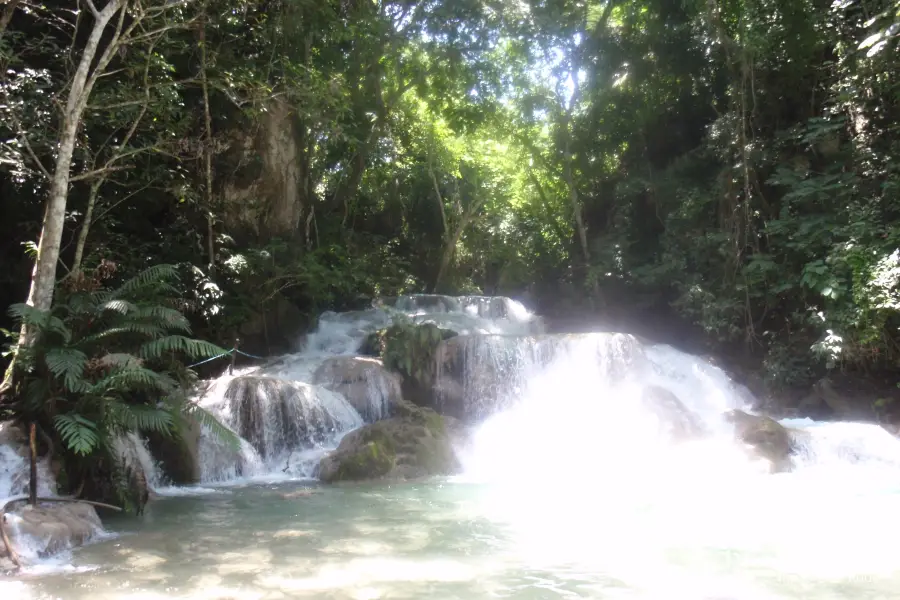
[
  {"x": 134, "y": 378},
  {"x": 219, "y": 431},
  {"x": 138, "y": 417},
  {"x": 144, "y": 329},
  {"x": 119, "y": 306},
  {"x": 68, "y": 364},
  {"x": 172, "y": 318},
  {"x": 153, "y": 276},
  {"x": 120, "y": 360},
  {"x": 119, "y": 376},
  {"x": 79, "y": 434},
  {"x": 177, "y": 343},
  {"x": 43, "y": 321}
]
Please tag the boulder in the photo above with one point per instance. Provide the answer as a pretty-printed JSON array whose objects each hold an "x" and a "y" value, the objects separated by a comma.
[
  {"x": 50, "y": 528},
  {"x": 370, "y": 388},
  {"x": 678, "y": 422},
  {"x": 178, "y": 454},
  {"x": 416, "y": 442},
  {"x": 765, "y": 436}
]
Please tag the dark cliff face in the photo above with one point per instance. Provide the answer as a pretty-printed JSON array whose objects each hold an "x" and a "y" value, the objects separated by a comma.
[{"x": 263, "y": 186}]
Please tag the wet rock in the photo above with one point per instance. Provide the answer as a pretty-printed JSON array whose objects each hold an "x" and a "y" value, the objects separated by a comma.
[
  {"x": 50, "y": 528},
  {"x": 179, "y": 454},
  {"x": 765, "y": 436},
  {"x": 370, "y": 388},
  {"x": 678, "y": 421},
  {"x": 416, "y": 443},
  {"x": 822, "y": 395}
]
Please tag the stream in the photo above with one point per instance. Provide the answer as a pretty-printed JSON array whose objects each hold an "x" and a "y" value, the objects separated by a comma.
[{"x": 570, "y": 489}]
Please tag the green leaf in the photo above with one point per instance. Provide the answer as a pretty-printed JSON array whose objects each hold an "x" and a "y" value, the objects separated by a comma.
[
  {"x": 68, "y": 364},
  {"x": 180, "y": 344},
  {"x": 79, "y": 434}
]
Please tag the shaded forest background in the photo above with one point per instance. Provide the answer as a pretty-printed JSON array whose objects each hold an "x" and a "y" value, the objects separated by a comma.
[{"x": 722, "y": 174}]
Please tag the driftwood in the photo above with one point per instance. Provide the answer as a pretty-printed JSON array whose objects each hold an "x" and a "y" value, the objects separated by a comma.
[{"x": 13, "y": 556}]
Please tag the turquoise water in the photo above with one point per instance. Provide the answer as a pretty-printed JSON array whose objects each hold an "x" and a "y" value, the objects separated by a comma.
[{"x": 444, "y": 539}]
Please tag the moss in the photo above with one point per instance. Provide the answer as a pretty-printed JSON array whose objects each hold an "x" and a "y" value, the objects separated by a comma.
[
  {"x": 435, "y": 424},
  {"x": 371, "y": 460}
]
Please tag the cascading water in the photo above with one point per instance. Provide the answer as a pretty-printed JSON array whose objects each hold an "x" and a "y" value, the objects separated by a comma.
[
  {"x": 602, "y": 403},
  {"x": 291, "y": 411},
  {"x": 15, "y": 467}
]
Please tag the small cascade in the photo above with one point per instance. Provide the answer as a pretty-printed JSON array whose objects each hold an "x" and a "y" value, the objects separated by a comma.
[
  {"x": 133, "y": 453},
  {"x": 279, "y": 422},
  {"x": 15, "y": 469}
]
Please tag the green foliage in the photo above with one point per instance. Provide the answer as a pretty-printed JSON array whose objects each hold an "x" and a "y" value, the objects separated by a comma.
[
  {"x": 411, "y": 349},
  {"x": 105, "y": 362}
]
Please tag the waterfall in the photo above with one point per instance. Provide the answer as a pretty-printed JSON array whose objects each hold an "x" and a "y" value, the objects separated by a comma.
[
  {"x": 15, "y": 468},
  {"x": 614, "y": 408},
  {"x": 289, "y": 412},
  {"x": 132, "y": 451}
]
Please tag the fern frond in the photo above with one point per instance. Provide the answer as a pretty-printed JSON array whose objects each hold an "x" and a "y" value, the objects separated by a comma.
[
  {"x": 138, "y": 417},
  {"x": 151, "y": 418},
  {"x": 219, "y": 431},
  {"x": 177, "y": 343},
  {"x": 120, "y": 360},
  {"x": 164, "y": 316},
  {"x": 42, "y": 320},
  {"x": 155, "y": 276},
  {"x": 68, "y": 364},
  {"x": 122, "y": 307},
  {"x": 144, "y": 329},
  {"x": 131, "y": 378},
  {"x": 79, "y": 434}
]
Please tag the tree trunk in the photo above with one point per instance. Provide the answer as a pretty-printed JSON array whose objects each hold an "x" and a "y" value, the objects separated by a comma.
[
  {"x": 43, "y": 277},
  {"x": 85, "y": 226},
  {"x": 207, "y": 151}
]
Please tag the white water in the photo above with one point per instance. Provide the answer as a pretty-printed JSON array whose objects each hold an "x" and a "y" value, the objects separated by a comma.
[
  {"x": 289, "y": 413},
  {"x": 15, "y": 469}
]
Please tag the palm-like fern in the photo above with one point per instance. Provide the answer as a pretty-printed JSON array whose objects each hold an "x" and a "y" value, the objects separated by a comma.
[{"x": 106, "y": 362}]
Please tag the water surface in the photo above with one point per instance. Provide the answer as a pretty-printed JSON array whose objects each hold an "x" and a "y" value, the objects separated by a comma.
[{"x": 775, "y": 537}]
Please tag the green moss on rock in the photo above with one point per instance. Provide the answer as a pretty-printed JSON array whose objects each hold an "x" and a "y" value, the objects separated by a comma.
[{"x": 417, "y": 444}]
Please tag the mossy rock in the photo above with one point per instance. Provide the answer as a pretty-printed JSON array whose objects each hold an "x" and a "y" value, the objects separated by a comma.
[
  {"x": 765, "y": 437},
  {"x": 373, "y": 344},
  {"x": 415, "y": 443}
]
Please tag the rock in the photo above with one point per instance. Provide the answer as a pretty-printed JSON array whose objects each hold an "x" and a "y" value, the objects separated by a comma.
[
  {"x": 416, "y": 443},
  {"x": 824, "y": 394},
  {"x": 274, "y": 326},
  {"x": 51, "y": 528},
  {"x": 364, "y": 382},
  {"x": 678, "y": 421},
  {"x": 178, "y": 454},
  {"x": 412, "y": 351},
  {"x": 765, "y": 436}
]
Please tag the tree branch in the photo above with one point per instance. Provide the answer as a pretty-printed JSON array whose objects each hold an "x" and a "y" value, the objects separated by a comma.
[{"x": 93, "y": 9}]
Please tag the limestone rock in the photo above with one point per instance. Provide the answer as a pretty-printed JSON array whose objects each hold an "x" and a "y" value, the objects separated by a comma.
[
  {"x": 179, "y": 454},
  {"x": 416, "y": 443},
  {"x": 51, "y": 528},
  {"x": 370, "y": 388},
  {"x": 765, "y": 436},
  {"x": 679, "y": 422}
]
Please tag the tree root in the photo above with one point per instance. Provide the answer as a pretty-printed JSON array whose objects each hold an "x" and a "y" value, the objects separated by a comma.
[{"x": 13, "y": 556}]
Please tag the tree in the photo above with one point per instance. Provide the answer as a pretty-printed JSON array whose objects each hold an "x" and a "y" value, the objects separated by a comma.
[{"x": 128, "y": 22}]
